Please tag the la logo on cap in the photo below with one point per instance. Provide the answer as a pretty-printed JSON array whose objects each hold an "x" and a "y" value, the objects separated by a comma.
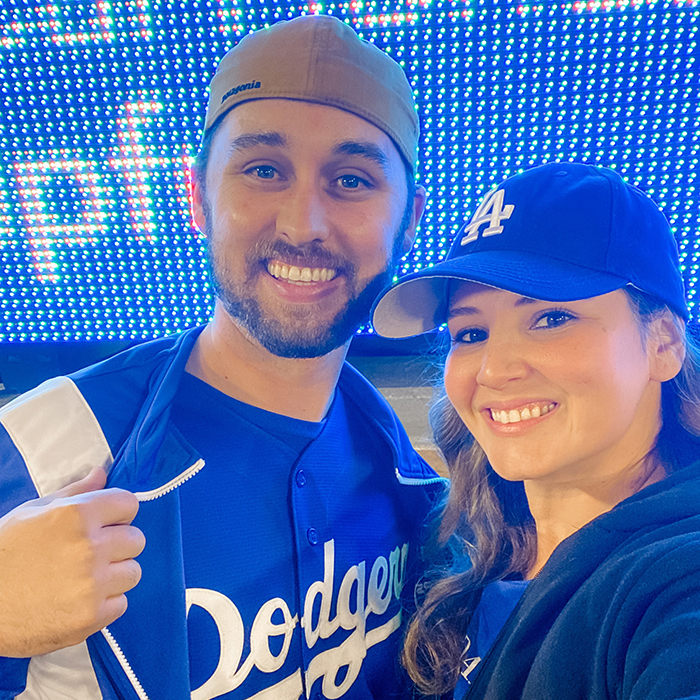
[{"x": 491, "y": 211}]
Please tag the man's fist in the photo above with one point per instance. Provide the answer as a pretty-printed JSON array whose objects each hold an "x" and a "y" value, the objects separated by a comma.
[{"x": 66, "y": 561}]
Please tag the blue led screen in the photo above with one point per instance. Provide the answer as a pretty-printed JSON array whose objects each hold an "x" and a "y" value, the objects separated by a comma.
[{"x": 102, "y": 103}]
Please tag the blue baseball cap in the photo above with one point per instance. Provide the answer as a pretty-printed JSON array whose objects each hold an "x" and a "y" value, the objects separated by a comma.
[{"x": 557, "y": 232}]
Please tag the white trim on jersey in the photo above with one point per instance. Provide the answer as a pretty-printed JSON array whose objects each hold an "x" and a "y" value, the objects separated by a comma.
[
  {"x": 53, "y": 461},
  {"x": 66, "y": 674}
]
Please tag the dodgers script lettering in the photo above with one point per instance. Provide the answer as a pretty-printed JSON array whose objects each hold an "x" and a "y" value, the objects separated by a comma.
[{"x": 360, "y": 598}]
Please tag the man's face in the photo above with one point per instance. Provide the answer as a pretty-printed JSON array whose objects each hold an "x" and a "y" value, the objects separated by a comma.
[{"x": 306, "y": 215}]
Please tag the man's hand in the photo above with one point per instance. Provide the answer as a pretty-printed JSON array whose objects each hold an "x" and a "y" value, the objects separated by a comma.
[{"x": 66, "y": 561}]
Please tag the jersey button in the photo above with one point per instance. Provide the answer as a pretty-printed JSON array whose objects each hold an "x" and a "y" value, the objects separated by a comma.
[
  {"x": 312, "y": 535},
  {"x": 301, "y": 478}
]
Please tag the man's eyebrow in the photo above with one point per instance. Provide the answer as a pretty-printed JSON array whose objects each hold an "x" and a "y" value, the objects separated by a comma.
[
  {"x": 266, "y": 138},
  {"x": 365, "y": 149}
]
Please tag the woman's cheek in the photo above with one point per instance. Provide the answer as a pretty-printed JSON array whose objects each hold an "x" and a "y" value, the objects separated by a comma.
[{"x": 459, "y": 382}]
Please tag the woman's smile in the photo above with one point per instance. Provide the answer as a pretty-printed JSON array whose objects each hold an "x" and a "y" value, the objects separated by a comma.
[{"x": 527, "y": 413}]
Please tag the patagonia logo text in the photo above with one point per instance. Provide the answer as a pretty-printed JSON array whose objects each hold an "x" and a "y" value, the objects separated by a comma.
[{"x": 240, "y": 88}]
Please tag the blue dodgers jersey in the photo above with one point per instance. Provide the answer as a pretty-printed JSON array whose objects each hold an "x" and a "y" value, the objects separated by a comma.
[
  {"x": 358, "y": 491},
  {"x": 295, "y": 552},
  {"x": 498, "y": 601}
]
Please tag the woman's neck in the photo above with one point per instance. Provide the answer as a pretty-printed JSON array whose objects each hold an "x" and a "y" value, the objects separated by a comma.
[{"x": 560, "y": 510}]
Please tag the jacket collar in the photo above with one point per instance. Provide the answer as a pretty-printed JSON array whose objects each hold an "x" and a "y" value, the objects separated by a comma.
[
  {"x": 155, "y": 454},
  {"x": 409, "y": 467}
]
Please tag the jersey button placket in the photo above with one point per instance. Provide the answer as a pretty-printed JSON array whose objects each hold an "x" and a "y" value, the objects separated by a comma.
[
  {"x": 300, "y": 478},
  {"x": 312, "y": 535}
]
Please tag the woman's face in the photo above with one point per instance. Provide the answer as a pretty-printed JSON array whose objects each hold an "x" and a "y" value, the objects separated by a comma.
[{"x": 562, "y": 393}]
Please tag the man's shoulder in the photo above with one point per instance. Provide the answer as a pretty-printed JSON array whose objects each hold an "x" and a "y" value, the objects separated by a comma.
[
  {"x": 55, "y": 433},
  {"x": 96, "y": 405},
  {"x": 140, "y": 359}
]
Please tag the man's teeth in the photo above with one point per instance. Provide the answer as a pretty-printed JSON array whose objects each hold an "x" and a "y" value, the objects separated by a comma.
[
  {"x": 292, "y": 273},
  {"x": 516, "y": 416}
]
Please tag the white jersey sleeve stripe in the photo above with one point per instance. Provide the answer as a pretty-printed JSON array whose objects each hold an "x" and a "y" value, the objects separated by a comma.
[
  {"x": 56, "y": 433},
  {"x": 66, "y": 674}
]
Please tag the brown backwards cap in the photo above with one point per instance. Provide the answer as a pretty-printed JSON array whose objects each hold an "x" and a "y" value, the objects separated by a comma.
[{"x": 319, "y": 59}]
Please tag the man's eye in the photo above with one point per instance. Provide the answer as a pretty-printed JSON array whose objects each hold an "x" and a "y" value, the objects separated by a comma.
[
  {"x": 352, "y": 182},
  {"x": 553, "y": 319},
  {"x": 469, "y": 336},
  {"x": 264, "y": 172}
]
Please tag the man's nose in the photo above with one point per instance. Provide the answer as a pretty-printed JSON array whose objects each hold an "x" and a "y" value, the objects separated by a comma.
[{"x": 303, "y": 214}]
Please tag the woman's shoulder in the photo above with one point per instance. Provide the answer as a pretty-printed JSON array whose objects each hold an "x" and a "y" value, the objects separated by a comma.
[{"x": 657, "y": 571}]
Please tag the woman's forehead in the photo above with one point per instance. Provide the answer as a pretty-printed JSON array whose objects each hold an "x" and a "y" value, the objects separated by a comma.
[
  {"x": 464, "y": 293},
  {"x": 460, "y": 292}
]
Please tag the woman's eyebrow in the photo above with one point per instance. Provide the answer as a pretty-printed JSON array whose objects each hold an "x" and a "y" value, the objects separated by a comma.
[
  {"x": 471, "y": 310},
  {"x": 462, "y": 311}
]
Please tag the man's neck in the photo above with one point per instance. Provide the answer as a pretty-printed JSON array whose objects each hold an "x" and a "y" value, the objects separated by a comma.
[{"x": 230, "y": 360}]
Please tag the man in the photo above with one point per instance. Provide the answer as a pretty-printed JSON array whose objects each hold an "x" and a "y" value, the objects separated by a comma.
[{"x": 279, "y": 498}]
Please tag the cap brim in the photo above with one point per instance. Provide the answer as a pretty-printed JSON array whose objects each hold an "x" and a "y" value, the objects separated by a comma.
[{"x": 417, "y": 303}]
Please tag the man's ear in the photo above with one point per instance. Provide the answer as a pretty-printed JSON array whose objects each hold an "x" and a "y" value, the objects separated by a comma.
[
  {"x": 420, "y": 199},
  {"x": 666, "y": 346},
  {"x": 198, "y": 205}
]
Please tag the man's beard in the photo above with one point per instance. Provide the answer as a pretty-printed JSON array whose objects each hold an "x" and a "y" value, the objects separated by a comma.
[{"x": 300, "y": 334}]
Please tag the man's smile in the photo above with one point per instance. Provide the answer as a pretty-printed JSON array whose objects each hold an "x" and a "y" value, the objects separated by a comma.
[{"x": 300, "y": 275}]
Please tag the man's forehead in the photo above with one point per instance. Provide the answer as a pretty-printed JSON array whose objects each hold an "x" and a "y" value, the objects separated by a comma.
[
  {"x": 288, "y": 124},
  {"x": 365, "y": 149}
]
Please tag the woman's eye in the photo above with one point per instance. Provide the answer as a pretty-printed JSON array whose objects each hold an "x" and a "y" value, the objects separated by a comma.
[
  {"x": 553, "y": 319},
  {"x": 469, "y": 336}
]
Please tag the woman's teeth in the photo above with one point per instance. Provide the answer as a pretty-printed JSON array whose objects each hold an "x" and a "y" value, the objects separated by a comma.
[
  {"x": 516, "y": 416},
  {"x": 292, "y": 273}
]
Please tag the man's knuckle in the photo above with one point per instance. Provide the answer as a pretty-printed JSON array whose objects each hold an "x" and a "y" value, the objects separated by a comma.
[{"x": 133, "y": 573}]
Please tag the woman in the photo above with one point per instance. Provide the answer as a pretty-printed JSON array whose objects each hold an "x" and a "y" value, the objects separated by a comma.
[{"x": 569, "y": 424}]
